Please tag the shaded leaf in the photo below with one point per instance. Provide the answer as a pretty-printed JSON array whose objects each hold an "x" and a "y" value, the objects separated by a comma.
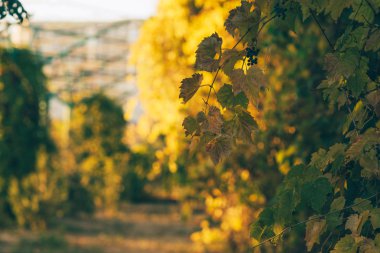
[
  {"x": 215, "y": 120},
  {"x": 370, "y": 165},
  {"x": 219, "y": 148},
  {"x": 361, "y": 205},
  {"x": 250, "y": 82},
  {"x": 373, "y": 41},
  {"x": 190, "y": 125},
  {"x": 207, "y": 52},
  {"x": 189, "y": 86},
  {"x": 340, "y": 65},
  {"x": 315, "y": 193},
  {"x": 227, "y": 98}
]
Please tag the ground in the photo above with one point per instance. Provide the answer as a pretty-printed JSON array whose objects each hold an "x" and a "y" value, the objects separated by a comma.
[{"x": 141, "y": 228}]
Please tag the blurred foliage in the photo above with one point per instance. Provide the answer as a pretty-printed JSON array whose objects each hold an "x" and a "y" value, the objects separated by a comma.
[
  {"x": 96, "y": 142},
  {"x": 28, "y": 178}
]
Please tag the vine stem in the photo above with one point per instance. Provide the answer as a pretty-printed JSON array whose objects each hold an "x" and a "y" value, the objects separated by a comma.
[
  {"x": 322, "y": 29},
  {"x": 311, "y": 219}
]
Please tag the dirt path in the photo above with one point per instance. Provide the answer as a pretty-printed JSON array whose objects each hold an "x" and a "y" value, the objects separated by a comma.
[{"x": 143, "y": 228}]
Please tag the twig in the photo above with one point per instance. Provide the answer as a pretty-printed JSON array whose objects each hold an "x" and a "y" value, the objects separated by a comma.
[
  {"x": 322, "y": 30},
  {"x": 289, "y": 228}
]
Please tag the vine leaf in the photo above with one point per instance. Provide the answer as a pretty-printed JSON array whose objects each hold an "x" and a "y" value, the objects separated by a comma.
[
  {"x": 244, "y": 21},
  {"x": 370, "y": 246},
  {"x": 346, "y": 244},
  {"x": 244, "y": 124},
  {"x": 335, "y": 7},
  {"x": 370, "y": 137},
  {"x": 355, "y": 222},
  {"x": 315, "y": 193},
  {"x": 340, "y": 65},
  {"x": 189, "y": 86},
  {"x": 207, "y": 53},
  {"x": 314, "y": 229},
  {"x": 219, "y": 148},
  {"x": 370, "y": 165},
  {"x": 214, "y": 120},
  {"x": 373, "y": 41},
  {"x": 190, "y": 125},
  {"x": 363, "y": 206},
  {"x": 227, "y": 98},
  {"x": 229, "y": 59},
  {"x": 375, "y": 218},
  {"x": 249, "y": 82}
]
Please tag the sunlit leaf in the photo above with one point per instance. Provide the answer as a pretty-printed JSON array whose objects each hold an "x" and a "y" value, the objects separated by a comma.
[{"x": 189, "y": 86}]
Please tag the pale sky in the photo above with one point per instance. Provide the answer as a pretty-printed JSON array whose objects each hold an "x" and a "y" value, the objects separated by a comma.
[{"x": 89, "y": 10}]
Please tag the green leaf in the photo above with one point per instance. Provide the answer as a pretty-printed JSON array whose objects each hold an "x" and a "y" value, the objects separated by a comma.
[
  {"x": 207, "y": 52},
  {"x": 315, "y": 193},
  {"x": 244, "y": 124},
  {"x": 190, "y": 125},
  {"x": 314, "y": 229},
  {"x": 361, "y": 205},
  {"x": 227, "y": 98},
  {"x": 189, "y": 86},
  {"x": 356, "y": 83},
  {"x": 346, "y": 244},
  {"x": 341, "y": 65},
  {"x": 219, "y": 148},
  {"x": 261, "y": 232},
  {"x": 335, "y": 7},
  {"x": 370, "y": 165},
  {"x": 338, "y": 204},
  {"x": 369, "y": 138},
  {"x": 373, "y": 41},
  {"x": 244, "y": 21},
  {"x": 250, "y": 82},
  {"x": 375, "y": 218},
  {"x": 362, "y": 12}
]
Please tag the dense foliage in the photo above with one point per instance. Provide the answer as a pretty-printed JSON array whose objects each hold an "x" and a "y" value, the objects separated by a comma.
[{"x": 338, "y": 189}]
